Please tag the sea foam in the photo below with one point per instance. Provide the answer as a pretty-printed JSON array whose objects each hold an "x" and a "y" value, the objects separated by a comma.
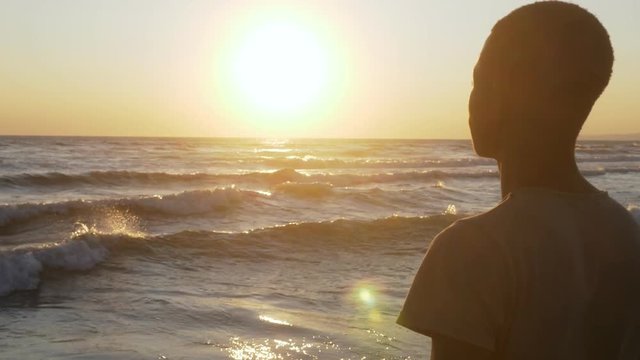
[{"x": 20, "y": 268}]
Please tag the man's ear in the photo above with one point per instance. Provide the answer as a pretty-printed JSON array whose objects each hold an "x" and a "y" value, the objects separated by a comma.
[{"x": 501, "y": 109}]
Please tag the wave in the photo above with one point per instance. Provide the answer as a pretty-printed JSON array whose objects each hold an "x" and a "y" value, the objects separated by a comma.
[
  {"x": 15, "y": 217},
  {"x": 603, "y": 171},
  {"x": 282, "y": 184},
  {"x": 310, "y": 162},
  {"x": 57, "y": 180},
  {"x": 180, "y": 204},
  {"x": 607, "y": 148},
  {"x": 611, "y": 158},
  {"x": 287, "y": 182},
  {"x": 116, "y": 178},
  {"x": 97, "y": 178},
  {"x": 122, "y": 178},
  {"x": 305, "y": 190},
  {"x": 21, "y": 267}
]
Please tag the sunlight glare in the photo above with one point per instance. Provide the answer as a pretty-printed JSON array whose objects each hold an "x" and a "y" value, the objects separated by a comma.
[
  {"x": 274, "y": 321},
  {"x": 280, "y": 67},
  {"x": 366, "y": 296}
]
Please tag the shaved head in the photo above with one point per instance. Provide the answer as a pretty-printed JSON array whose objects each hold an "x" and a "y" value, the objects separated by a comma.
[
  {"x": 541, "y": 70},
  {"x": 554, "y": 38}
]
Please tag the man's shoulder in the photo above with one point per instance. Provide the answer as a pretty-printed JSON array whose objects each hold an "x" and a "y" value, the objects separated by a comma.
[
  {"x": 483, "y": 225},
  {"x": 530, "y": 216},
  {"x": 474, "y": 232},
  {"x": 533, "y": 207}
]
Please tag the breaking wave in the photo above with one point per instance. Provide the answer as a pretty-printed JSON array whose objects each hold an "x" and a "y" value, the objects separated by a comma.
[
  {"x": 181, "y": 204},
  {"x": 21, "y": 268}
]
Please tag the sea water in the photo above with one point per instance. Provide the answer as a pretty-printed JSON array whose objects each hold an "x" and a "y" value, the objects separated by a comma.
[{"x": 164, "y": 248}]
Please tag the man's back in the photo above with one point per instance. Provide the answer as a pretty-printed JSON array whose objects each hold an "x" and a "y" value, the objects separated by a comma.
[
  {"x": 552, "y": 272},
  {"x": 544, "y": 275}
]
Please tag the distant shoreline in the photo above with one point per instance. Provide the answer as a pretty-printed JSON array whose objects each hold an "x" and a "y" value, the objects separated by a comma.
[{"x": 617, "y": 137}]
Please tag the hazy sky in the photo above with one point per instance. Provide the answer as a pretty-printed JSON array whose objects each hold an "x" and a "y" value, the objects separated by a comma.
[{"x": 209, "y": 68}]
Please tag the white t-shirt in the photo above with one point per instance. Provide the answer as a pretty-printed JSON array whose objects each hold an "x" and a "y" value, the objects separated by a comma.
[{"x": 544, "y": 275}]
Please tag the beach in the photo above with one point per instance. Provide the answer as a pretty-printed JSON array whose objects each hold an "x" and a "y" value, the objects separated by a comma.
[{"x": 221, "y": 248}]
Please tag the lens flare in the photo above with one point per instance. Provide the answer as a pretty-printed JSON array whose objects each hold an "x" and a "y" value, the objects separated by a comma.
[
  {"x": 367, "y": 300},
  {"x": 366, "y": 296}
]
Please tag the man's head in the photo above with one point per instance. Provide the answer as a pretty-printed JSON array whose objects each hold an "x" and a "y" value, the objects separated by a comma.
[{"x": 538, "y": 76}]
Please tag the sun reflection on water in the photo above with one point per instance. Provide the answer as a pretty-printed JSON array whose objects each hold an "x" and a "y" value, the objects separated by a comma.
[
  {"x": 275, "y": 321},
  {"x": 366, "y": 298},
  {"x": 271, "y": 349},
  {"x": 451, "y": 210},
  {"x": 110, "y": 221},
  {"x": 367, "y": 304}
]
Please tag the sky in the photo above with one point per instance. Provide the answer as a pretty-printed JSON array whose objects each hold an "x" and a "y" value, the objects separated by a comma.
[{"x": 325, "y": 68}]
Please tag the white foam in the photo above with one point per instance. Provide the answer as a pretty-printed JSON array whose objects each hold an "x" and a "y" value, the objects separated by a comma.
[
  {"x": 74, "y": 254},
  {"x": 20, "y": 268},
  {"x": 18, "y": 272},
  {"x": 193, "y": 202}
]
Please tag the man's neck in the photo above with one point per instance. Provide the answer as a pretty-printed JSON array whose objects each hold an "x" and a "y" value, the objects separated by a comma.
[{"x": 555, "y": 171}]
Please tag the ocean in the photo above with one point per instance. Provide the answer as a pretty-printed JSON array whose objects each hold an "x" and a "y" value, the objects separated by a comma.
[{"x": 167, "y": 248}]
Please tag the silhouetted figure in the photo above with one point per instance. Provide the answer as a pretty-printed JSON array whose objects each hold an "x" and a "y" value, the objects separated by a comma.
[{"x": 552, "y": 272}]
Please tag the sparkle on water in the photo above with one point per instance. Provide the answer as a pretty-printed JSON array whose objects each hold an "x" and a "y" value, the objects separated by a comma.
[
  {"x": 451, "y": 210},
  {"x": 275, "y": 321},
  {"x": 269, "y": 349}
]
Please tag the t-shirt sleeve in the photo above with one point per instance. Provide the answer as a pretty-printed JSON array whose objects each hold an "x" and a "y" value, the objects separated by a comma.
[{"x": 460, "y": 289}]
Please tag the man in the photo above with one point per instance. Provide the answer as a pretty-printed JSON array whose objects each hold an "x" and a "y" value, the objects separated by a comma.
[{"x": 553, "y": 272}]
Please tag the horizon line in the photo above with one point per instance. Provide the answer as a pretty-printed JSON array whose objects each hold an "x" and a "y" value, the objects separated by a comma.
[{"x": 601, "y": 137}]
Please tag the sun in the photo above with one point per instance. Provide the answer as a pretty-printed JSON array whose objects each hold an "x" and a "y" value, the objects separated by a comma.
[
  {"x": 280, "y": 68},
  {"x": 277, "y": 70}
]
